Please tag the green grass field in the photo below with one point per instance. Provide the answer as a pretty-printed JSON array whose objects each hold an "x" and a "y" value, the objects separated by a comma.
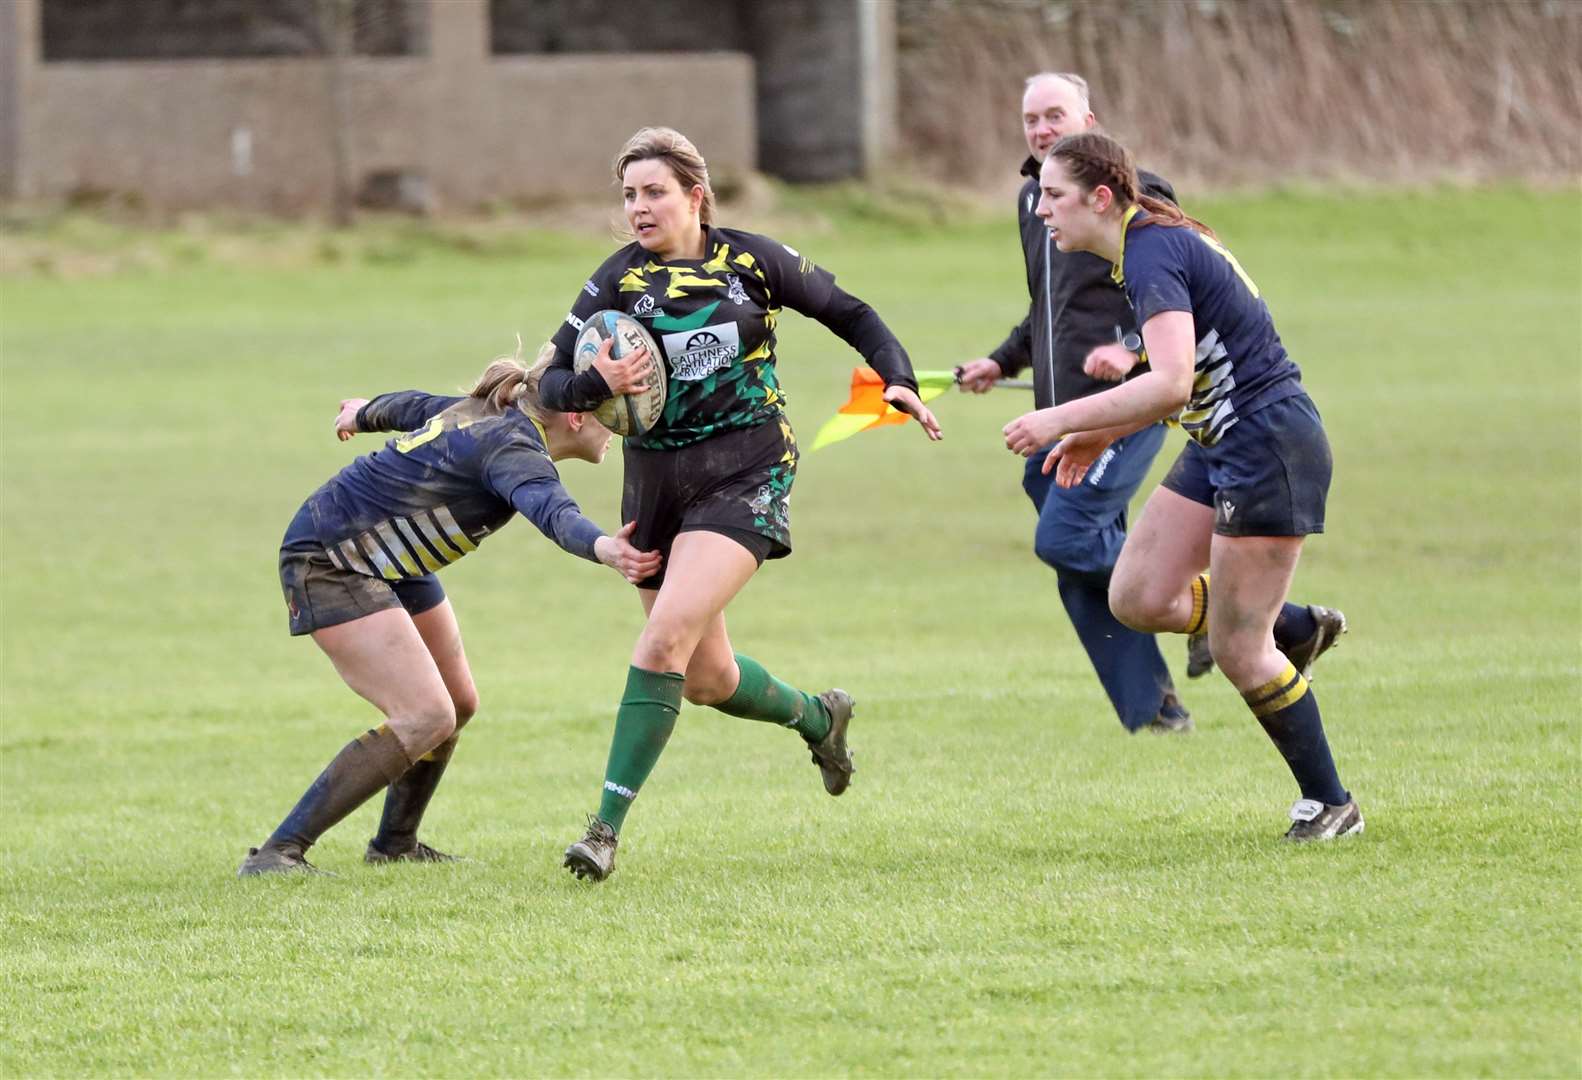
[{"x": 1013, "y": 886}]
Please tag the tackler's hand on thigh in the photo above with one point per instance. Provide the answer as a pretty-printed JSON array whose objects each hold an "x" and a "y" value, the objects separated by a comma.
[{"x": 619, "y": 555}]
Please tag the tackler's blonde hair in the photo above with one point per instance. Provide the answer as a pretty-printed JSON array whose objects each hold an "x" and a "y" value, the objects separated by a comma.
[{"x": 508, "y": 382}]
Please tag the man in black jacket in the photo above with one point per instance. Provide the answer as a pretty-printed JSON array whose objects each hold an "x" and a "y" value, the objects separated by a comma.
[{"x": 1079, "y": 337}]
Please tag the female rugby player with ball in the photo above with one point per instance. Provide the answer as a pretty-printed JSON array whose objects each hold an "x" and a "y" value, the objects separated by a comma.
[
  {"x": 357, "y": 565},
  {"x": 708, "y": 484},
  {"x": 1249, "y": 485}
]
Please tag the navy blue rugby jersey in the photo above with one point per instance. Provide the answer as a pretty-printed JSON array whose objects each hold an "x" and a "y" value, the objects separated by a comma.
[
  {"x": 1241, "y": 366},
  {"x": 431, "y": 495},
  {"x": 714, "y": 320}
]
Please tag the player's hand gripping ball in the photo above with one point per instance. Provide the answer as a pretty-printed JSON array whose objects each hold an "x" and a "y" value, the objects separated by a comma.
[{"x": 624, "y": 414}]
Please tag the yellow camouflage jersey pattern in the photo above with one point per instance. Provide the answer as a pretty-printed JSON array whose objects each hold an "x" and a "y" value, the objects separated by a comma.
[{"x": 714, "y": 321}]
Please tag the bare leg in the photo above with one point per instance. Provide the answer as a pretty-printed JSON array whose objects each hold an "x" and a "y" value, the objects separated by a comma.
[
  {"x": 1150, "y": 589},
  {"x": 407, "y": 799}
]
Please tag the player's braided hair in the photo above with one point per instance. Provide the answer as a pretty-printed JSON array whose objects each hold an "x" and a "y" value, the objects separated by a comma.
[
  {"x": 508, "y": 382},
  {"x": 676, "y": 151},
  {"x": 1091, "y": 158}
]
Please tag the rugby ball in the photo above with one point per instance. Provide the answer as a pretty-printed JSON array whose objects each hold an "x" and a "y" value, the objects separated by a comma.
[{"x": 624, "y": 414}]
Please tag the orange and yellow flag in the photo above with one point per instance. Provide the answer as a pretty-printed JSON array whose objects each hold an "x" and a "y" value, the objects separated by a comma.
[{"x": 866, "y": 408}]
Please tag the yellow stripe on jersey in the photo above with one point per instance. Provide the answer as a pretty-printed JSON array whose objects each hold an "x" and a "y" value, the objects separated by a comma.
[
  {"x": 759, "y": 353},
  {"x": 683, "y": 279},
  {"x": 431, "y": 533},
  {"x": 393, "y": 542},
  {"x": 633, "y": 281},
  {"x": 746, "y": 261},
  {"x": 430, "y": 563},
  {"x": 722, "y": 252},
  {"x": 381, "y": 561},
  {"x": 354, "y": 558},
  {"x": 448, "y": 523}
]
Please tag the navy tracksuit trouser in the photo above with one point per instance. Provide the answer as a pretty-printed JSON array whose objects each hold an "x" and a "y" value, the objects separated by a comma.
[{"x": 1080, "y": 533}]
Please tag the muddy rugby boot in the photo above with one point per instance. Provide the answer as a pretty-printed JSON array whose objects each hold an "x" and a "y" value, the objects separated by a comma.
[
  {"x": 830, "y": 753},
  {"x": 594, "y": 855},
  {"x": 276, "y": 860},
  {"x": 418, "y": 852},
  {"x": 1200, "y": 659},
  {"x": 1331, "y": 624}
]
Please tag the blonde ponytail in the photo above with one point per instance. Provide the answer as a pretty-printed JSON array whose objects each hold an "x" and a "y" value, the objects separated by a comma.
[{"x": 507, "y": 382}]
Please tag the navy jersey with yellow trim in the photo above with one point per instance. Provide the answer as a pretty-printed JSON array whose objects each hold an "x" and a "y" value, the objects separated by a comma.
[
  {"x": 714, "y": 320},
  {"x": 429, "y": 496},
  {"x": 1240, "y": 364}
]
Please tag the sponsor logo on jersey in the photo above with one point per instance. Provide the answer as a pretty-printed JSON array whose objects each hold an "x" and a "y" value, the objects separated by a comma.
[
  {"x": 696, "y": 354},
  {"x": 795, "y": 254},
  {"x": 575, "y": 323},
  {"x": 645, "y": 306},
  {"x": 590, "y": 288},
  {"x": 1030, "y": 196},
  {"x": 1227, "y": 510},
  {"x": 735, "y": 292}
]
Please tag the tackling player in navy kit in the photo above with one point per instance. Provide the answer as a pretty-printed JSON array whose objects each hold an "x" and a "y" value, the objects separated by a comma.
[
  {"x": 357, "y": 567},
  {"x": 709, "y": 485},
  {"x": 1247, "y": 488}
]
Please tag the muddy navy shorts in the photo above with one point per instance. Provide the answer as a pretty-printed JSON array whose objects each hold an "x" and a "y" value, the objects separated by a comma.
[
  {"x": 320, "y": 594},
  {"x": 1267, "y": 476},
  {"x": 737, "y": 483}
]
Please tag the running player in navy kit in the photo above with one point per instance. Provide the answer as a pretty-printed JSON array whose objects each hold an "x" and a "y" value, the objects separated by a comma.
[
  {"x": 709, "y": 485},
  {"x": 1075, "y": 338},
  {"x": 357, "y": 567},
  {"x": 1249, "y": 485}
]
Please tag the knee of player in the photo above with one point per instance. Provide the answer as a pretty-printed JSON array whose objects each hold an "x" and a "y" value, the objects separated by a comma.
[
  {"x": 432, "y": 722},
  {"x": 709, "y": 688},
  {"x": 1066, "y": 551},
  {"x": 465, "y": 704},
  {"x": 1132, "y": 603},
  {"x": 662, "y": 646}
]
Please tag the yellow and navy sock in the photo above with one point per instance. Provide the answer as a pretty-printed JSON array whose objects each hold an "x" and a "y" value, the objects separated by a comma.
[
  {"x": 1288, "y": 711},
  {"x": 1197, "y": 623}
]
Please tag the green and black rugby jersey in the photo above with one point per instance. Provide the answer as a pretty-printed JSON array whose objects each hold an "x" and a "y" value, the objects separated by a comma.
[{"x": 714, "y": 320}]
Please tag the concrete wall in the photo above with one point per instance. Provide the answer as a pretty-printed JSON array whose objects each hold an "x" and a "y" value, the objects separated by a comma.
[{"x": 257, "y": 133}]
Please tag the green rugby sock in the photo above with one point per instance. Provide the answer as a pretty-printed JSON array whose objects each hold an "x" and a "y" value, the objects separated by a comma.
[
  {"x": 643, "y": 725},
  {"x": 761, "y": 696}
]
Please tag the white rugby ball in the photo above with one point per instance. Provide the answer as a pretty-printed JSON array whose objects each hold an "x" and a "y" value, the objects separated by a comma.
[{"x": 624, "y": 414}]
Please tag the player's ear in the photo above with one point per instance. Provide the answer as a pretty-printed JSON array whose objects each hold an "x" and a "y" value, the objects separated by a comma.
[
  {"x": 695, "y": 197},
  {"x": 574, "y": 421},
  {"x": 1102, "y": 198}
]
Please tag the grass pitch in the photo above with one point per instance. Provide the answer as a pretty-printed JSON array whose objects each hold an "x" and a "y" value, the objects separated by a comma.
[{"x": 1012, "y": 886}]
